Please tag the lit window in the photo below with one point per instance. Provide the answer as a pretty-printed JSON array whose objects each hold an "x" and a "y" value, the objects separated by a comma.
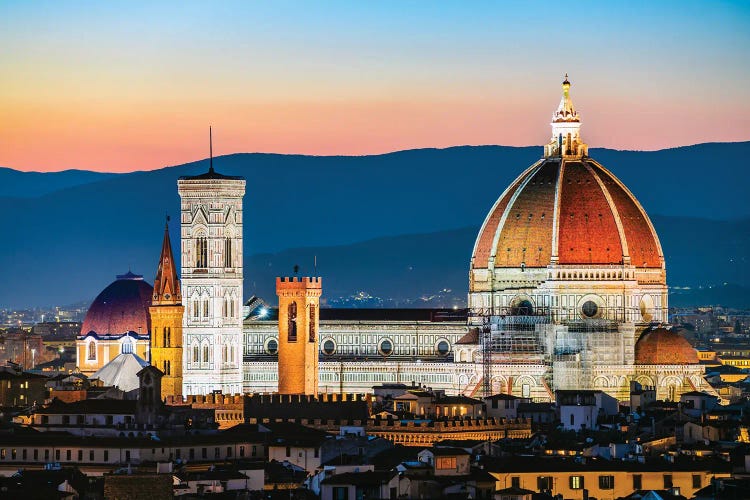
[{"x": 576, "y": 482}]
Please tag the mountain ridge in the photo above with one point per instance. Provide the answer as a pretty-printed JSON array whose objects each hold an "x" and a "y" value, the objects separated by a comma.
[{"x": 68, "y": 244}]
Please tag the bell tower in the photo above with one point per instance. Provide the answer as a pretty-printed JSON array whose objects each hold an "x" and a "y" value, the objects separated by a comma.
[
  {"x": 299, "y": 312},
  {"x": 166, "y": 321},
  {"x": 211, "y": 249}
]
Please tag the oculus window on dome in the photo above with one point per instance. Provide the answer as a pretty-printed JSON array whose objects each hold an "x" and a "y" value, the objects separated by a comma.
[
  {"x": 385, "y": 347},
  {"x": 272, "y": 347},
  {"x": 589, "y": 309},
  {"x": 329, "y": 347},
  {"x": 443, "y": 347},
  {"x": 522, "y": 308}
]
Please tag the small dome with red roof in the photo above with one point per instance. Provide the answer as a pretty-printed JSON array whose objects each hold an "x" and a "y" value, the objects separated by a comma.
[{"x": 661, "y": 346}]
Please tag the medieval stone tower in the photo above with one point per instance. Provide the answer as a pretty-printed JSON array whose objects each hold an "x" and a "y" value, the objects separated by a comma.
[
  {"x": 211, "y": 230},
  {"x": 299, "y": 300},
  {"x": 166, "y": 322}
]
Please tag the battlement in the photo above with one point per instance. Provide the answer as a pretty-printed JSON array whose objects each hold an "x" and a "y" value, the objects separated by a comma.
[
  {"x": 206, "y": 399},
  {"x": 299, "y": 283},
  {"x": 275, "y": 398}
]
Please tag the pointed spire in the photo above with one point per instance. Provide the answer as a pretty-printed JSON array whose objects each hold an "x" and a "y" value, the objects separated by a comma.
[
  {"x": 566, "y": 126},
  {"x": 210, "y": 151},
  {"x": 166, "y": 283}
]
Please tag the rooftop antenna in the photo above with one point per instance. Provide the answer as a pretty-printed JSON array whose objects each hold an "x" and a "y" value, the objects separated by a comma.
[
  {"x": 210, "y": 151},
  {"x": 315, "y": 265},
  {"x": 296, "y": 269}
]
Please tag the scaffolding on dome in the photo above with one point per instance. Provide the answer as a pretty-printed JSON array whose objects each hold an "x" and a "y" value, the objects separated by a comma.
[
  {"x": 511, "y": 336},
  {"x": 585, "y": 344},
  {"x": 570, "y": 345}
]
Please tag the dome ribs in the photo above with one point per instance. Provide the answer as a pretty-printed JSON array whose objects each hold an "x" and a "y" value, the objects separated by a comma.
[
  {"x": 526, "y": 236},
  {"x": 664, "y": 347},
  {"x": 643, "y": 244},
  {"x": 119, "y": 308},
  {"x": 484, "y": 245},
  {"x": 588, "y": 231}
]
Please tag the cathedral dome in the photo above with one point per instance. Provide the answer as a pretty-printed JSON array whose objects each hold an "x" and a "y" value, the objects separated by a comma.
[
  {"x": 121, "y": 307},
  {"x": 664, "y": 347},
  {"x": 566, "y": 209}
]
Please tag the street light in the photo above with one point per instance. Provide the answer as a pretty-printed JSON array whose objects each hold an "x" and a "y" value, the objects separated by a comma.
[{"x": 33, "y": 357}]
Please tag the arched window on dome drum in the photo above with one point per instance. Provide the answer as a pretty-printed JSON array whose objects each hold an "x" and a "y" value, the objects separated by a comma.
[
  {"x": 228, "y": 252},
  {"x": 92, "y": 350},
  {"x": 312, "y": 322},
  {"x": 292, "y": 322},
  {"x": 201, "y": 252}
]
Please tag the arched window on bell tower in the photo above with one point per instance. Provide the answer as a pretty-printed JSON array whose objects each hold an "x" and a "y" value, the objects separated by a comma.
[
  {"x": 228, "y": 252},
  {"x": 201, "y": 252},
  {"x": 292, "y": 326}
]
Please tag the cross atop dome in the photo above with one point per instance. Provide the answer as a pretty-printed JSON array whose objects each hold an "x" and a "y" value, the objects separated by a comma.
[{"x": 566, "y": 125}]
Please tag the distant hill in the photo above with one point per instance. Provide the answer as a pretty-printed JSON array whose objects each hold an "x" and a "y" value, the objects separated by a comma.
[
  {"x": 698, "y": 251},
  {"x": 66, "y": 243},
  {"x": 15, "y": 184}
]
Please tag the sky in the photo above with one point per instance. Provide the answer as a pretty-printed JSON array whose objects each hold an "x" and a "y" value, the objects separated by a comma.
[{"x": 123, "y": 86}]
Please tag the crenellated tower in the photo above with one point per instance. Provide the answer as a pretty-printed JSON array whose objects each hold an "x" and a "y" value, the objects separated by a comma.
[
  {"x": 299, "y": 301},
  {"x": 166, "y": 321}
]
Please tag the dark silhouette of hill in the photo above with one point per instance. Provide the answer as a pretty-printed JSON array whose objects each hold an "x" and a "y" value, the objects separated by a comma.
[
  {"x": 698, "y": 251},
  {"x": 16, "y": 184},
  {"x": 68, "y": 244}
]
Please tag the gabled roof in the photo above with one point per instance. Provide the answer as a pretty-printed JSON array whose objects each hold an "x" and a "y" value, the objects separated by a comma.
[{"x": 471, "y": 337}]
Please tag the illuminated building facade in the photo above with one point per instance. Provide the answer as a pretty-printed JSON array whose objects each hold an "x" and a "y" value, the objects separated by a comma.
[{"x": 211, "y": 249}]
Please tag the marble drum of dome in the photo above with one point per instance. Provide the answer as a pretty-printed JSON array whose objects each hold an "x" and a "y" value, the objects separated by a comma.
[{"x": 569, "y": 239}]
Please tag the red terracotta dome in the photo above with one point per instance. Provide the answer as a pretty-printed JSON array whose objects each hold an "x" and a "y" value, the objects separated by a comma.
[
  {"x": 664, "y": 347},
  {"x": 121, "y": 307},
  {"x": 570, "y": 211}
]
